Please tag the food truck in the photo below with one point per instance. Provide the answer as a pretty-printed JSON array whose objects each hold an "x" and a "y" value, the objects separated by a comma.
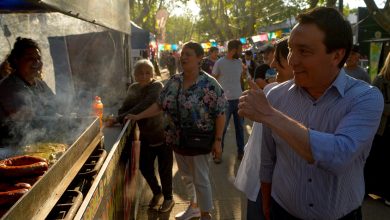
[{"x": 93, "y": 171}]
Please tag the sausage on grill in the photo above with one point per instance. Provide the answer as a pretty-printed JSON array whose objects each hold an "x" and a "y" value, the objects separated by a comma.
[{"x": 21, "y": 166}]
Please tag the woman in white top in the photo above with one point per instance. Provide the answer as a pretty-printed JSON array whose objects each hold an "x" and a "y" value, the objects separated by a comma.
[{"x": 248, "y": 174}]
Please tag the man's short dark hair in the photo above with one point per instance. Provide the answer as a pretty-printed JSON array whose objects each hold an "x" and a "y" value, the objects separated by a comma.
[
  {"x": 196, "y": 47},
  {"x": 234, "y": 44},
  {"x": 212, "y": 49},
  {"x": 337, "y": 30},
  {"x": 248, "y": 53}
]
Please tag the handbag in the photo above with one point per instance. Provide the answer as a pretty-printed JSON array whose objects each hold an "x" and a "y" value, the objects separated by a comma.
[{"x": 193, "y": 141}]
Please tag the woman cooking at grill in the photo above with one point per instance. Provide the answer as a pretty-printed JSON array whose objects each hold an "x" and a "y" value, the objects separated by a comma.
[
  {"x": 192, "y": 99},
  {"x": 140, "y": 95},
  {"x": 23, "y": 94}
]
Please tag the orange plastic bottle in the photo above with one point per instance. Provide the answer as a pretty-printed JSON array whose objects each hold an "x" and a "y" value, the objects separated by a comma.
[{"x": 97, "y": 108}]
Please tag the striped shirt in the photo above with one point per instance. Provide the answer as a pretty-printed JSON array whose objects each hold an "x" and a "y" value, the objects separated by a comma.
[{"x": 342, "y": 124}]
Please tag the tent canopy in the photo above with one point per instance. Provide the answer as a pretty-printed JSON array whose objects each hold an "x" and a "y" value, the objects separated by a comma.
[
  {"x": 139, "y": 37},
  {"x": 7, "y": 6},
  {"x": 107, "y": 13}
]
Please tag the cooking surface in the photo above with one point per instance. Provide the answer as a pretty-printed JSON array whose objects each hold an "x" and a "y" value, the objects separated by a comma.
[{"x": 45, "y": 130}]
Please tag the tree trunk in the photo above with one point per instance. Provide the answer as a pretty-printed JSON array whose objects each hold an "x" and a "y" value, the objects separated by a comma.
[{"x": 381, "y": 16}]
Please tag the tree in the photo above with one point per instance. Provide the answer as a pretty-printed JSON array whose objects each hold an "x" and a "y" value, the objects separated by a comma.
[
  {"x": 381, "y": 16},
  {"x": 229, "y": 19},
  {"x": 180, "y": 28},
  {"x": 143, "y": 12}
]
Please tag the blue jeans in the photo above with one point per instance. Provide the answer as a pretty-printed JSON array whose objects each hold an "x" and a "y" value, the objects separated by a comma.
[{"x": 238, "y": 125}]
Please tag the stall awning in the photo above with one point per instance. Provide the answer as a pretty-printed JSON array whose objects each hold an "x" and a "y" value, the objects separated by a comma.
[
  {"x": 139, "y": 37},
  {"x": 111, "y": 14},
  {"x": 11, "y": 6}
]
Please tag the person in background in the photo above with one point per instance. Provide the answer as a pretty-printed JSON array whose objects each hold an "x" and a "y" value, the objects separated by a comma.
[
  {"x": 264, "y": 74},
  {"x": 318, "y": 127},
  {"x": 249, "y": 64},
  {"x": 23, "y": 94},
  {"x": 259, "y": 75},
  {"x": 171, "y": 64},
  {"x": 248, "y": 178},
  {"x": 376, "y": 178},
  {"x": 140, "y": 95},
  {"x": 229, "y": 72},
  {"x": 209, "y": 61},
  {"x": 192, "y": 98},
  {"x": 352, "y": 67},
  {"x": 249, "y": 67},
  {"x": 154, "y": 61},
  {"x": 267, "y": 52}
]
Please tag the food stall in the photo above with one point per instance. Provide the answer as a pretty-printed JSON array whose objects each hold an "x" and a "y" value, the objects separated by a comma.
[{"x": 85, "y": 48}]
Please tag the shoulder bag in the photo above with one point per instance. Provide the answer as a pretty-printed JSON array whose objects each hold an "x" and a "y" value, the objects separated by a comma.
[{"x": 193, "y": 141}]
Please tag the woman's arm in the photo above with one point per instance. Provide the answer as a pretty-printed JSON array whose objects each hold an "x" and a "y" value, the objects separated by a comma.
[
  {"x": 135, "y": 105},
  {"x": 219, "y": 126},
  {"x": 153, "y": 110}
]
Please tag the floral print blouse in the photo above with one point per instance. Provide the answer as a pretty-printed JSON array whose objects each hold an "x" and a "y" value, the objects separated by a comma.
[{"x": 199, "y": 105}]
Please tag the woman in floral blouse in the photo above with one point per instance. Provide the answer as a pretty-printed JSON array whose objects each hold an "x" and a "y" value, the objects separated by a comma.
[{"x": 201, "y": 103}]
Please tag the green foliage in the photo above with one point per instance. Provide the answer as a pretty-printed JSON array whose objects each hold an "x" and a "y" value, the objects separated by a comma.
[
  {"x": 227, "y": 19},
  {"x": 222, "y": 20},
  {"x": 180, "y": 28},
  {"x": 143, "y": 12}
]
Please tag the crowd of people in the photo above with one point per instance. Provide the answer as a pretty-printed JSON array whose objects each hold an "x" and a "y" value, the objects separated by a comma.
[
  {"x": 315, "y": 117},
  {"x": 315, "y": 120}
]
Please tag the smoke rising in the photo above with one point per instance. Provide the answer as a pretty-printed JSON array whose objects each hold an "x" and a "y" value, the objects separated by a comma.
[{"x": 80, "y": 60}]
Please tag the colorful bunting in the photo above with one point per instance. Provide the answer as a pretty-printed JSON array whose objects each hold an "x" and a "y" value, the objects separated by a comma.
[{"x": 266, "y": 37}]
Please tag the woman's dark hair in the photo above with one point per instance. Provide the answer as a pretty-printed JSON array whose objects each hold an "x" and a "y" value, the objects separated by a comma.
[
  {"x": 281, "y": 50},
  {"x": 196, "y": 47},
  {"x": 18, "y": 50},
  {"x": 337, "y": 30}
]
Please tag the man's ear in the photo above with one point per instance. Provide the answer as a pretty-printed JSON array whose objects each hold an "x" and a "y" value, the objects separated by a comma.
[{"x": 338, "y": 56}]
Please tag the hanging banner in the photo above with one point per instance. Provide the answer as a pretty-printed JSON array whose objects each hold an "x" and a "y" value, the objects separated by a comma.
[
  {"x": 263, "y": 37},
  {"x": 278, "y": 34},
  {"x": 256, "y": 38},
  {"x": 271, "y": 35},
  {"x": 167, "y": 47},
  {"x": 375, "y": 52},
  {"x": 174, "y": 47},
  {"x": 160, "y": 47}
]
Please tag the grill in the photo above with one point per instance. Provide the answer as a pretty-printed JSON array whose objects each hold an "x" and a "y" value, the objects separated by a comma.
[
  {"x": 59, "y": 193},
  {"x": 67, "y": 206}
]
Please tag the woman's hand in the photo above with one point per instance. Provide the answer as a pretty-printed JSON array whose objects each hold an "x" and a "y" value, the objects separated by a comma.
[
  {"x": 216, "y": 151},
  {"x": 110, "y": 121},
  {"x": 131, "y": 117}
]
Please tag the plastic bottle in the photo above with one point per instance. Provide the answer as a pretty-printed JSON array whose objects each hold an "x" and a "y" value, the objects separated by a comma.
[{"x": 97, "y": 108}]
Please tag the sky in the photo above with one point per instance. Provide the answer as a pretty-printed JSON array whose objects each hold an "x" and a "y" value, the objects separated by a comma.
[{"x": 195, "y": 9}]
